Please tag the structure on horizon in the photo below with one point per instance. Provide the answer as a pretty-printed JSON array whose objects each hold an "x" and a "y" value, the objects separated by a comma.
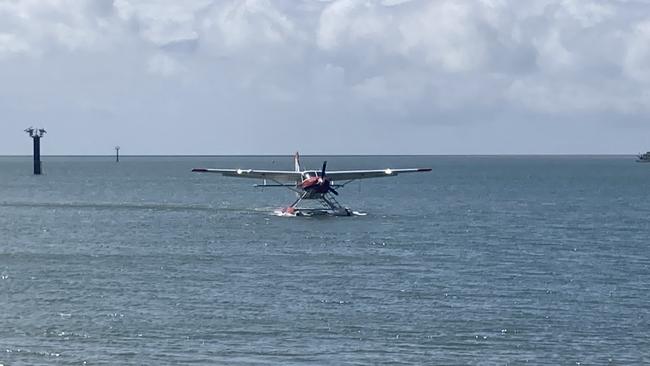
[
  {"x": 36, "y": 135},
  {"x": 117, "y": 154}
]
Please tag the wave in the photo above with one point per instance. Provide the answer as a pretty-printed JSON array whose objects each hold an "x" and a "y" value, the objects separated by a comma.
[{"x": 127, "y": 206}]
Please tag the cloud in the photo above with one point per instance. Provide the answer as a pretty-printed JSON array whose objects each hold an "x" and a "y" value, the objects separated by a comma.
[
  {"x": 389, "y": 63},
  {"x": 161, "y": 23},
  {"x": 10, "y": 44},
  {"x": 163, "y": 65},
  {"x": 637, "y": 56}
]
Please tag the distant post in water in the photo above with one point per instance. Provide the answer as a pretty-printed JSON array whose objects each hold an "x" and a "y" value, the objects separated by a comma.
[
  {"x": 117, "y": 154},
  {"x": 36, "y": 135}
]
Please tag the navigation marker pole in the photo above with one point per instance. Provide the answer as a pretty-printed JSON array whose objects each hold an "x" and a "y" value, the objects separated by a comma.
[
  {"x": 36, "y": 134},
  {"x": 117, "y": 154}
]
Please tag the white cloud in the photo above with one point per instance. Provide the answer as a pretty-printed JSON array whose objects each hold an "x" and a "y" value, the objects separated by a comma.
[
  {"x": 347, "y": 21},
  {"x": 11, "y": 44},
  {"x": 162, "y": 22},
  {"x": 589, "y": 13},
  {"x": 637, "y": 57},
  {"x": 373, "y": 88},
  {"x": 164, "y": 65},
  {"x": 343, "y": 60},
  {"x": 243, "y": 23}
]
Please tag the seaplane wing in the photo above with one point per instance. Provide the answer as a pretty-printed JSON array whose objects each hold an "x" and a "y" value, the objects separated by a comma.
[
  {"x": 343, "y": 175},
  {"x": 277, "y": 175},
  {"x": 318, "y": 185}
]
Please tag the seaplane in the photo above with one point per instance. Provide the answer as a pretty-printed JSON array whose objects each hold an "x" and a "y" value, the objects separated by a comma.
[{"x": 320, "y": 186}]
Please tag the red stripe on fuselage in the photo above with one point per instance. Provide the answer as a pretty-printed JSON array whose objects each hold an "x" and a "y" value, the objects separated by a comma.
[{"x": 316, "y": 184}]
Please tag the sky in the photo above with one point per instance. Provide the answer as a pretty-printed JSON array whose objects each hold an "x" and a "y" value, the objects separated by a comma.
[{"x": 213, "y": 77}]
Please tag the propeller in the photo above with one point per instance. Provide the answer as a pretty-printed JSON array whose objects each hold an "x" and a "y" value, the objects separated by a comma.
[{"x": 322, "y": 175}]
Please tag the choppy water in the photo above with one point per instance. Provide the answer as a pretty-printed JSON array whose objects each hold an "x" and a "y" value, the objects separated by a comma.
[{"x": 486, "y": 260}]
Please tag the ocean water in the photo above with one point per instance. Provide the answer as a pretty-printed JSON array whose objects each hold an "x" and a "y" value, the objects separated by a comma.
[{"x": 485, "y": 260}]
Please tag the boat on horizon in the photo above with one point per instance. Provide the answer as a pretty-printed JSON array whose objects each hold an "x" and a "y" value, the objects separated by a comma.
[{"x": 643, "y": 158}]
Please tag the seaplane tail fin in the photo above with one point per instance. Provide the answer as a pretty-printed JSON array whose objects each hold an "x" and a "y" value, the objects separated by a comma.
[{"x": 296, "y": 162}]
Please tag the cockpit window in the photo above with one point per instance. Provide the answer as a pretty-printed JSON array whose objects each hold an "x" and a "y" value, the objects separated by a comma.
[{"x": 311, "y": 174}]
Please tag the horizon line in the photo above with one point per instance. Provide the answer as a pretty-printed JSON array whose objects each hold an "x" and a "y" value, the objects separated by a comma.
[{"x": 319, "y": 155}]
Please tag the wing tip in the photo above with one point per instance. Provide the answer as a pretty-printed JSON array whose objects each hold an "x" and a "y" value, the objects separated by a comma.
[
  {"x": 424, "y": 169},
  {"x": 199, "y": 170}
]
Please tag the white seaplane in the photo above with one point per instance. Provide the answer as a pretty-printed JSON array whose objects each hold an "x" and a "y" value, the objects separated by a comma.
[{"x": 311, "y": 184}]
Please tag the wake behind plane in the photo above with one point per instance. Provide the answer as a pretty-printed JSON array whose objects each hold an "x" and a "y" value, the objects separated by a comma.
[{"x": 311, "y": 184}]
